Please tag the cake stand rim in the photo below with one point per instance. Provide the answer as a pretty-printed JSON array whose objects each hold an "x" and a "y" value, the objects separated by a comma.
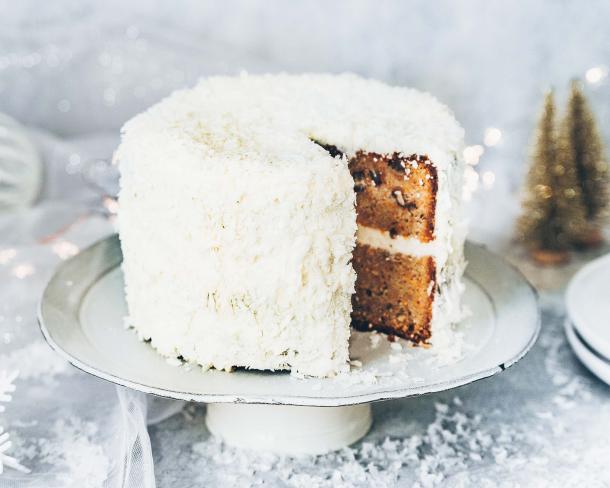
[{"x": 296, "y": 400}]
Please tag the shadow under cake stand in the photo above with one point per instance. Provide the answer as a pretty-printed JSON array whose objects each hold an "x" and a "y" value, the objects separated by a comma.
[{"x": 81, "y": 316}]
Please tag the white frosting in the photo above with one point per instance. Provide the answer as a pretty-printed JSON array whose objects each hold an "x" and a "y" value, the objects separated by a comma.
[
  {"x": 450, "y": 233},
  {"x": 237, "y": 230},
  {"x": 399, "y": 244}
]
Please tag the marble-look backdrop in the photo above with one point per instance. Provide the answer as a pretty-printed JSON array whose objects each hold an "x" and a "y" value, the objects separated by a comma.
[{"x": 75, "y": 67}]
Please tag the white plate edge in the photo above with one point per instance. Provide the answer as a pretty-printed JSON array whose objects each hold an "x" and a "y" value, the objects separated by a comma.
[
  {"x": 576, "y": 317},
  {"x": 293, "y": 399},
  {"x": 582, "y": 351}
]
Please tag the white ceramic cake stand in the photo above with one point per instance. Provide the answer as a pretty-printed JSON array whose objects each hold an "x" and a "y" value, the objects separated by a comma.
[{"x": 81, "y": 316}]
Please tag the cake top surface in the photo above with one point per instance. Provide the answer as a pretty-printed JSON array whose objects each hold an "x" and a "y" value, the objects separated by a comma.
[{"x": 273, "y": 119}]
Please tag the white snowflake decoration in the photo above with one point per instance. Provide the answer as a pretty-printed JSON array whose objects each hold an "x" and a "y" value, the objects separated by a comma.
[{"x": 6, "y": 389}]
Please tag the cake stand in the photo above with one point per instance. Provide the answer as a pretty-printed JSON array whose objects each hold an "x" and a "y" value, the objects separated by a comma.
[{"x": 81, "y": 316}]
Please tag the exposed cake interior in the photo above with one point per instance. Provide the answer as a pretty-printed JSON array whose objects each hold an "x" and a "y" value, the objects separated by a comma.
[
  {"x": 395, "y": 200},
  {"x": 395, "y": 256}
]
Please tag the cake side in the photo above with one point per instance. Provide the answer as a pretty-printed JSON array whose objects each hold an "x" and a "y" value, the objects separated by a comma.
[{"x": 230, "y": 262}]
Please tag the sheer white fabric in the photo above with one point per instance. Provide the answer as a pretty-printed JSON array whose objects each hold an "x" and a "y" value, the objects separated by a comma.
[{"x": 69, "y": 428}]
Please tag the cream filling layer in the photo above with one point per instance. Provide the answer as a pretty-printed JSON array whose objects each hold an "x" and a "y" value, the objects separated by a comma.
[{"x": 370, "y": 236}]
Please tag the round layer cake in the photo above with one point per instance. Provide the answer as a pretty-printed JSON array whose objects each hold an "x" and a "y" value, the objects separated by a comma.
[{"x": 260, "y": 216}]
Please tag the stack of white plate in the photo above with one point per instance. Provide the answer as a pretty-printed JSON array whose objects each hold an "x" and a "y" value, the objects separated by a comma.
[{"x": 587, "y": 325}]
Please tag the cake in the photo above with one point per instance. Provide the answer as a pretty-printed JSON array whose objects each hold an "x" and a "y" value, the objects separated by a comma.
[{"x": 260, "y": 216}]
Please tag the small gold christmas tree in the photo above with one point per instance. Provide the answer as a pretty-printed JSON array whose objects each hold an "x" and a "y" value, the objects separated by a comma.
[
  {"x": 552, "y": 209},
  {"x": 580, "y": 146}
]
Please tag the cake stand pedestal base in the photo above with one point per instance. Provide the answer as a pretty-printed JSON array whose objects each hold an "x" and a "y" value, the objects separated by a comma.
[{"x": 286, "y": 429}]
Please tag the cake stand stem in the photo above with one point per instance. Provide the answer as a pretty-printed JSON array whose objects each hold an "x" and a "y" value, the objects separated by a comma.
[{"x": 287, "y": 429}]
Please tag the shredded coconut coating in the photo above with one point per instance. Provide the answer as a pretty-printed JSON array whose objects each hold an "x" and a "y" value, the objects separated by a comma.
[{"x": 237, "y": 230}]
